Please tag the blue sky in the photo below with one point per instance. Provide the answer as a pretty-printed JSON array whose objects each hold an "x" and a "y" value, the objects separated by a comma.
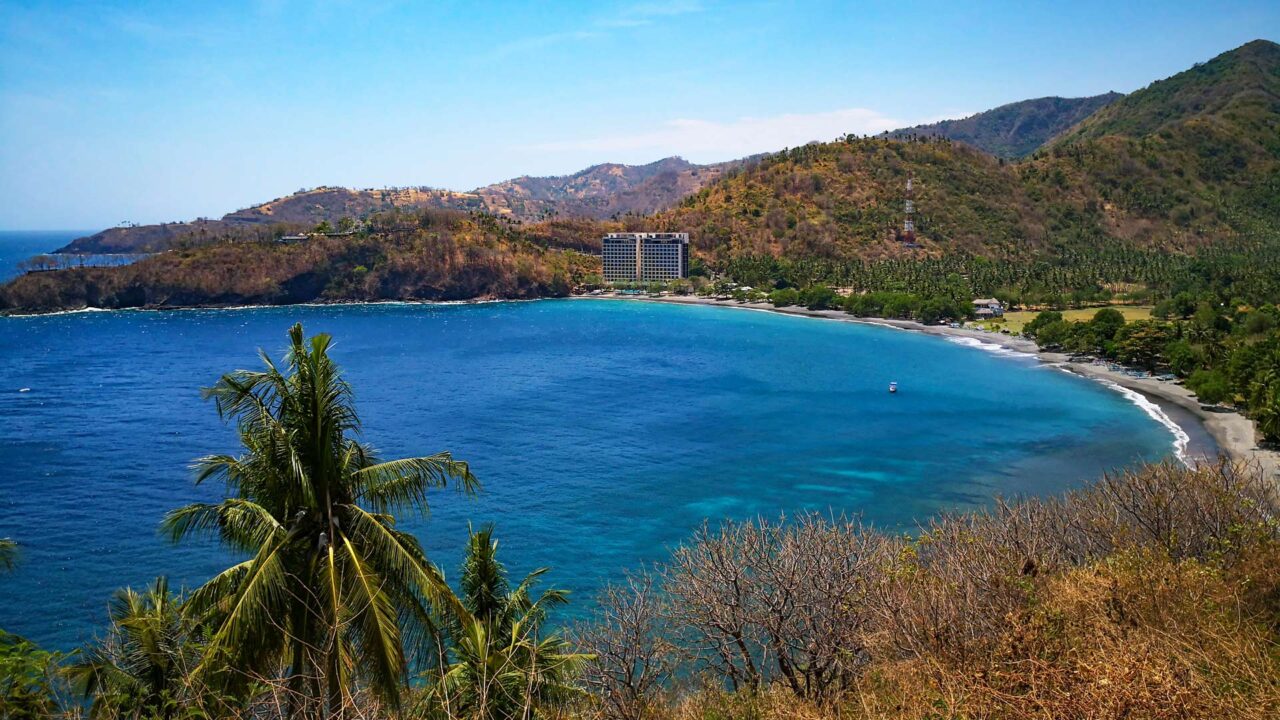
[{"x": 150, "y": 112}]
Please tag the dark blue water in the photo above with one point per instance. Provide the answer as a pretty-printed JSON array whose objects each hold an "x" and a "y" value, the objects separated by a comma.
[
  {"x": 603, "y": 431},
  {"x": 19, "y": 245}
]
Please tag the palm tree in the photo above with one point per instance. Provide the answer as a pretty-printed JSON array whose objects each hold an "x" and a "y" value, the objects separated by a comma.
[
  {"x": 138, "y": 669},
  {"x": 496, "y": 664},
  {"x": 1266, "y": 414},
  {"x": 8, "y": 554},
  {"x": 332, "y": 591}
]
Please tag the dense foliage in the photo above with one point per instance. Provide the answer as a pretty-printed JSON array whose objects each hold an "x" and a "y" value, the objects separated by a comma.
[{"x": 1247, "y": 272}]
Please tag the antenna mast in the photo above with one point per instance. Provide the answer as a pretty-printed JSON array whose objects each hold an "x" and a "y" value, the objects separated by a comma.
[{"x": 909, "y": 225}]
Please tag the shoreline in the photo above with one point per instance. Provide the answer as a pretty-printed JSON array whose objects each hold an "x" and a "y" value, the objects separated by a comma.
[
  {"x": 1232, "y": 432},
  {"x": 268, "y": 306}
]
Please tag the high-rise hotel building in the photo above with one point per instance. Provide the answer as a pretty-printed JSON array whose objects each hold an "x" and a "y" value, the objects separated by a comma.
[{"x": 645, "y": 256}]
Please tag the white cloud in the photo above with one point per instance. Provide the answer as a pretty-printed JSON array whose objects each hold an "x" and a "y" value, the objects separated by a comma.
[{"x": 707, "y": 140}]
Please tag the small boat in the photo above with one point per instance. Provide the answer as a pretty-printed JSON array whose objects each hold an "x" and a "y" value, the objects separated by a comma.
[{"x": 893, "y": 386}]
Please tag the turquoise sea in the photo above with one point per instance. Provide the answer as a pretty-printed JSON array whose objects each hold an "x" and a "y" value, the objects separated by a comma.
[{"x": 603, "y": 431}]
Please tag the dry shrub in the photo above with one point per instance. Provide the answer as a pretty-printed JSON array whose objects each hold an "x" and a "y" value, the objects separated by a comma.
[
  {"x": 1152, "y": 594},
  {"x": 1137, "y": 636},
  {"x": 764, "y": 601},
  {"x": 1213, "y": 511},
  {"x": 951, "y": 591},
  {"x": 633, "y": 661}
]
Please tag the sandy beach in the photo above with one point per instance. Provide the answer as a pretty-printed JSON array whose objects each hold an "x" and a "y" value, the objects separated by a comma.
[{"x": 1233, "y": 432}]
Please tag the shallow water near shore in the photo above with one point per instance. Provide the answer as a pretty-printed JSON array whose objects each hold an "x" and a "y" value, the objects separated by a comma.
[{"x": 604, "y": 432}]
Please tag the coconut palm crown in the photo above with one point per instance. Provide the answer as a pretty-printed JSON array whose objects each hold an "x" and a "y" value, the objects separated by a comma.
[
  {"x": 332, "y": 592},
  {"x": 496, "y": 663},
  {"x": 139, "y": 668}
]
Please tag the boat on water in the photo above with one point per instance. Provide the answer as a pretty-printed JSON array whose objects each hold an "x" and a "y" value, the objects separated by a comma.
[{"x": 893, "y": 386}]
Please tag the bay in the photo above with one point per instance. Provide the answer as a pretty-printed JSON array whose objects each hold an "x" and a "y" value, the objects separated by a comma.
[{"x": 604, "y": 432}]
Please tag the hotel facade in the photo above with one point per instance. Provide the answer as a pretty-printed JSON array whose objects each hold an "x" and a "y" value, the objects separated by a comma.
[{"x": 645, "y": 257}]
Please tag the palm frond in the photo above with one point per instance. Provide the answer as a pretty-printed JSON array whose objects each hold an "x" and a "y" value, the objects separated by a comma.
[
  {"x": 253, "y": 611},
  {"x": 404, "y": 483},
  {"x": 376, "y": 632},
  {"x": 399, "y": 555},
  {"x": 242, "y": 524}
]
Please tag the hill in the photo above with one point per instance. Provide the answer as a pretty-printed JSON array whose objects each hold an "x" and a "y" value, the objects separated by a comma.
[
  {"x": 1236, "y": 86},
  {"x": 403, "y": 255},
  {"x": 1186, "y": 165},
  {"x": 1207, "y": 171},
  {"x": 598, "y": 192},
  {"x": 1191, "y": 153},
  {"x": 601, "y": 191},
  {"x": 1017, "y": 129}
]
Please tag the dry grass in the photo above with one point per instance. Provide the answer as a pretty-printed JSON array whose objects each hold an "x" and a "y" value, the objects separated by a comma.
[
  {"x": 1136, "y": 636},
  {"x": 1015, "y": 321}
]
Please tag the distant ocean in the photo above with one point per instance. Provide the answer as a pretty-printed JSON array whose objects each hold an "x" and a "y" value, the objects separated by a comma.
[
  {"x": 19, "y": 245},
  {"x": 604, "y": 432}
]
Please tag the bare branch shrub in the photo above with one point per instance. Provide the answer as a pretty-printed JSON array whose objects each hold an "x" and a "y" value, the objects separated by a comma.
[
  {"x": 785, "y": 601},
  {"x": 1210, "y": 512},
  {"x": 632, "y": 658},
  {"x": 951, "y": 591},
  {"x": 1148, "y": 594}
]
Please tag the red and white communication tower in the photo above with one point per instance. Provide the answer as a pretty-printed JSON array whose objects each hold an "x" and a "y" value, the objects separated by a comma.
[{"x": 909, "y": 225}]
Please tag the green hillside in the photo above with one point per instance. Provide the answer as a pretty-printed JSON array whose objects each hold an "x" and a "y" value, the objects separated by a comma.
[
  {"x": 1205, "y": 173},
  {"x": 1238, "y": 86},
  {"x": 1014, "y": 130},
  {"x": 1190, "y": 154},
  {"x": 844, "y": 199}
]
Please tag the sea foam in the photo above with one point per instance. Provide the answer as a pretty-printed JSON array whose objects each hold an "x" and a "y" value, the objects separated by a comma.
[
  {"x": 1153, "y": 410},
  {"x": 993, "y": 348}
]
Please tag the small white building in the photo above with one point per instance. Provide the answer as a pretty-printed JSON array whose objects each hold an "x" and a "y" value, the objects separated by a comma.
[{"x": 988, "y": 308}]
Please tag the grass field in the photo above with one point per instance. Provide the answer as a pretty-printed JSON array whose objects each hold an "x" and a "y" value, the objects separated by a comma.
[{"x": 1014, "y": 321}]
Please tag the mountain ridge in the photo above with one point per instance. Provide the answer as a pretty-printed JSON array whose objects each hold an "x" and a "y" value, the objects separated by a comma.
[
  {"x": 1016, "y": 129},
  {"x": 598, "y": 192},
  {"x": 1205, "y": 172},
  {"x": 1206, "y": 89}
]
